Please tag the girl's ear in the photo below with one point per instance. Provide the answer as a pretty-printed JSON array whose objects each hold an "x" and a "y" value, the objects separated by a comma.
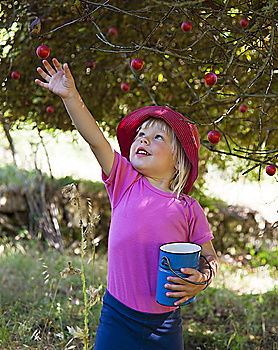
[{"x": 177, "y": 165}]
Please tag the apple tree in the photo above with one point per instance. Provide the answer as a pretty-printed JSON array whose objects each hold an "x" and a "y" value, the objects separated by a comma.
[{"x": 214, "y": 61}]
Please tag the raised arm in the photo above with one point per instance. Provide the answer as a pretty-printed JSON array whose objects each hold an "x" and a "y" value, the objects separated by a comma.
[{"x": 59, "y": 80}]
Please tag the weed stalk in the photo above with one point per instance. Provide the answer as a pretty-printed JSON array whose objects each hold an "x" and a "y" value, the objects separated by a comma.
[
  {"x": 85, "y": 234},
  {"x": 82, "y": 274}
]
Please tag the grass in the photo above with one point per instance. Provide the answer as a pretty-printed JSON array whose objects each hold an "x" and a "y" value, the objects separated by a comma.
[{"x": 40, "y": 309}]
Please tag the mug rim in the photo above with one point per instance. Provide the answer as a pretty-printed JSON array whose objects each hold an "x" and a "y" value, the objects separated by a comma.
[{"x": 183, "y": 243}]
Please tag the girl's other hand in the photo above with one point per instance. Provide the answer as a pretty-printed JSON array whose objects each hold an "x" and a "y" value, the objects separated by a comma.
[
  {"x": 58, "y": 79},
  {"x": 183, "y": 289}
]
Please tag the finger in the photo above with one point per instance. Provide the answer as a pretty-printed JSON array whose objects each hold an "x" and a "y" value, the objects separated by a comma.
[
  {"x": 57, "y": 64},
  {"x": 48, "y": 67},
  {"x": 194, "y": 275},
  {"x": 189, "y": 271},
  {"x": 40, "y": 83},
  {"x": 43, "y": 74},
  {"x": 177, "y": 287},
  {"x": 67, "y": 71},
  {"x": 176, "y": 294},
  {"x": 198, "y": 277},
  {"x": 176, "y": 280},
  {"x": 182, "y": 300}
]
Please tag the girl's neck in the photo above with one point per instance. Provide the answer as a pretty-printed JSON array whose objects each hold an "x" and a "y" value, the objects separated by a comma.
[{"x": 160, "y": 184}]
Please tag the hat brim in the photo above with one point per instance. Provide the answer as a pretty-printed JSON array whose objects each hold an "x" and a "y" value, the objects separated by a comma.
[{"x": 185, "y": 131}]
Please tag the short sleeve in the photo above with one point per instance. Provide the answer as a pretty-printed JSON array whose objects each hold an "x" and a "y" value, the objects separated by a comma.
[
  {"x": 199, "y": 229},
  {"x": 122, "y": 176}
]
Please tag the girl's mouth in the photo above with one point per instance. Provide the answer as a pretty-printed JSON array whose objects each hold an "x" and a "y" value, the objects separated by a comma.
[{"x": 142, "y": 152}]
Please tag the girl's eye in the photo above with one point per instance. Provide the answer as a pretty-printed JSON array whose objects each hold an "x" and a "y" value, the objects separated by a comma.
[
  {"x": 140, "y": 134},
  {"x": 159, "y": 137}
]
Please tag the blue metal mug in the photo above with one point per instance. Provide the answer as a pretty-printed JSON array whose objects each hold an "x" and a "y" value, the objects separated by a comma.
[{"x": 173, "y": 257}]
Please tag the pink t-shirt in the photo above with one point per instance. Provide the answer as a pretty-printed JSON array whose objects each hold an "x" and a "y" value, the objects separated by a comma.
[{"x": 143, "y": 218}]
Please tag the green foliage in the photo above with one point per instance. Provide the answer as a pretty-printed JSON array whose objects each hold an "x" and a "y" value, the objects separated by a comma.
[
  {"x": 43, "y": 305},
  {"x": 13, "y": 176},
  {"x": 173, "y": 73},
  {"x": 264, "y": 256},
  {"x": 224, "y": 320}
]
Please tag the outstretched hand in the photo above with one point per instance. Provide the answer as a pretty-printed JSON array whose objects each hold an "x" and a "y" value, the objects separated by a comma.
[{"x": 59, "y": 79}]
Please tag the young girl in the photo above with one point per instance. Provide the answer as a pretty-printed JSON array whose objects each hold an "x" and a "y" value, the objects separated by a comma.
[{"x": 148, "y": 186}]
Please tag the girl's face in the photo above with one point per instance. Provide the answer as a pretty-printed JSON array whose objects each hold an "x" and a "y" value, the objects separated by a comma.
[{"x": 151, "y": 153}]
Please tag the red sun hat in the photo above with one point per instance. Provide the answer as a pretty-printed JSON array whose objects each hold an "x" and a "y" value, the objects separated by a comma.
[{"x": 185, "y": 131}]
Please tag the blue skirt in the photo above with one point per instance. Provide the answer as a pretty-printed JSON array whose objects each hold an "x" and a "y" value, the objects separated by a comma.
[{"x": 123, "y": 328}]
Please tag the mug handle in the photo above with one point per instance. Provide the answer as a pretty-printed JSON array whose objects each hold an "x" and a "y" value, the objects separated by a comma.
[{"x": 166, "y": 262}]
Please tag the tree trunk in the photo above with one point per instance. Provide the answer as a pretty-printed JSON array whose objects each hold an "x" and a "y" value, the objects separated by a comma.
[{"x": 6, "y": 127}]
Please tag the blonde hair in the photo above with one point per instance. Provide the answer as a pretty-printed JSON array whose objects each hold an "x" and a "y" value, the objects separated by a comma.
[{"x": 178, "y": 182}]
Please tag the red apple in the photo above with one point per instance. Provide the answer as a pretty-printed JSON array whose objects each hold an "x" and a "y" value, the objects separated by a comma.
[
  {"x": 137, "y": 64},
  {"x": 112, "y": 31},
  {"x": 210, "y": 79},
  {"x": 125, "y": 86},
  {"x": 270, "y": 170},
  {"x": 243, "y": 108},
  {"x": 43, "y": 51},
  {"x": 15, "y": 75},
  {"x": 50, "y": 109},
  {"x": 244, "y": 23},
  {"x": 91, "y": 64},
  {"x": 186, "y": 26},
  {"x": 214, "y": 136}
]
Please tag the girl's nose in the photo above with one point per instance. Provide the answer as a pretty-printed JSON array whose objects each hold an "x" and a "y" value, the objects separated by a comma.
[{"x": 145, "y": 140}]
